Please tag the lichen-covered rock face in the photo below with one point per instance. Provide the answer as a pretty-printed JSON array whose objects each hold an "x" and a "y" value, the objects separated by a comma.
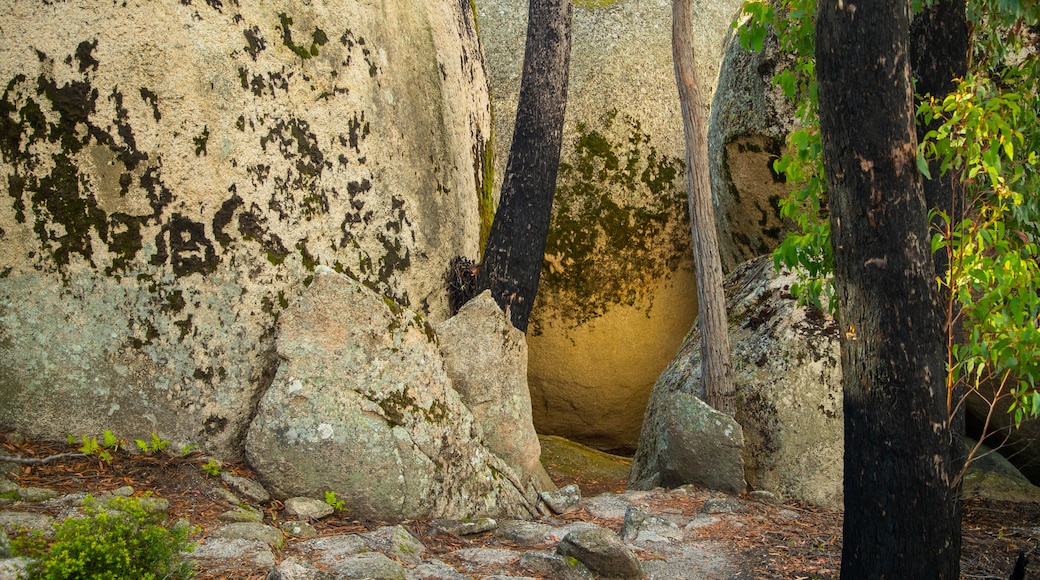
[
  {"x": 686, "y": 441},
  {"x": 749, "y": 122},
  {"x": 173, "y": 171},
  {"x": 617, "y": 290},
  {"x": 361, "y": 405},
  {"x": 787, "y": 371}
]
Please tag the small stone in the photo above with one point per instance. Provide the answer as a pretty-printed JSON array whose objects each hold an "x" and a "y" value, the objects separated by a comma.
[
  {"x": 216, "y": 550},
  {"x": 700, "y": 521},
  {"x": 558, "y": 534},
  {"x": 36, "y": 494},
  {"x": 369, "y": 566},
  {"x": 293, "y": 569},
  {"x": 242, "y": 513},
  {"x": 251, "y": 531},
  {"x": 466, "y": 527},
  {"x": 14, "y": 568},
  {"x": 554, "y": 566},
  {"x": 640, "y": 526},
  {"x": 125, "y": 491},
  {"x": 487, "y": 556},
  {"x": 562, "y": 500},
  {"x": 720, "y": 505},
  {"x": 15, "y": 521},
  {"x": 8, "y": 487},
  {"x": 606, "y": 506},
  {"x": 298, "y": 529},
  {"x": 396, "y": 542},
  {"x": 306, "y": 507},
  {"x": 765, "y": 496},
  {"x": 5, "y": 545},
  {"x": 248, "y": 488},
  {"x": 227, "y": 495},
  {"x": 603, "y": 552},
  {"x": 436, "y": 570},
  {"x": 332, "y": 549},
  {"x": 523, "y": 532}
]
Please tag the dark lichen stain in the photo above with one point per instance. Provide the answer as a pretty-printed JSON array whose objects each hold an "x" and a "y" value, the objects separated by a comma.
[
  {"x": 318, "y": 39},
  {"x": 201, "y": 141},
  {"x": 395, "y": 406},
  {"x": 175, "y": 301},
  {"x": 215, "y": 424},
  {"x": 255, "y": 42},
  {"x": 190, "y": 252},
  {"x": 85, "y": 56},
  {"x": 295, "y": 140},
  {"x": 591, "y": 219},
  {"x": 358, "y": 129},
  {"x": 153, "y": 100},
  {"x": 309, "y": 262},
  {"x": 223, "y": 217}
]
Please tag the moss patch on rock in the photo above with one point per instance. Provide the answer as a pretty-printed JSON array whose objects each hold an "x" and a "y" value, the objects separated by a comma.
[{"x": 619, "y": 220}]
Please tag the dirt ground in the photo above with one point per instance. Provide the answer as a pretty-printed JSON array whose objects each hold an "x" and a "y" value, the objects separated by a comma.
[{"x": 768, "y": 545}]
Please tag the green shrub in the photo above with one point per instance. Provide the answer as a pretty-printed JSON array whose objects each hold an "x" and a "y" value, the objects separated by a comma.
[{"x": 120, "y": 539}]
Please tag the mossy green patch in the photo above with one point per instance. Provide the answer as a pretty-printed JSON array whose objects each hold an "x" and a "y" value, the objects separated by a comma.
[
  {"x": 318, "y": 39},
  {"x": 620, "y": 220}
]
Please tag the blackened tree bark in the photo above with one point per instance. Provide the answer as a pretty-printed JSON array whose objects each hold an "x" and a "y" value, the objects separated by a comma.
[
  {"x": 711, "y": 301},
  {"x": 938, "y": 57},
  {"x": 900, "y": 510},
  {"x": 516, "y": 245}
]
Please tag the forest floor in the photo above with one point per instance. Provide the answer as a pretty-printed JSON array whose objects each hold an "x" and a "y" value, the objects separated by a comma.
[{"x": 767, "y": 544}]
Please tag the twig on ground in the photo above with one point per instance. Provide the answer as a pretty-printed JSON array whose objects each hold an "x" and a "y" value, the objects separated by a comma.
[{"x": 35, "y": 460}]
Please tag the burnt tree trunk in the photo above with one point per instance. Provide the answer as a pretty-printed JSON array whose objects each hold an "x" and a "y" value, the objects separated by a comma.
[
  {"x": 711, "y": 301},
  {"x": 516, "y": 244},
  {"x": 901, "y": 515}
]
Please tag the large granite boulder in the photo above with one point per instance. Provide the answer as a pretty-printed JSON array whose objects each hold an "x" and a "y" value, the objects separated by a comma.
[
  {"x": 749, "y": 122},
  {"x": 174, "y": 170},
  {"x": 361, "y": 405},
  {"x": 486, "y": 358},
  {"x": 786, "y": 368},
  {"x": 617, "y": 290}
]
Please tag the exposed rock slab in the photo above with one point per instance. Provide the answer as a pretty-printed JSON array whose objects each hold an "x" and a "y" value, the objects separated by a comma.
[
  {"x": 166, "y": 195},
  {"x": 788, "y": 378},
  {"x": 361, "y": 405},
  {"x": 749, "y": 122}
]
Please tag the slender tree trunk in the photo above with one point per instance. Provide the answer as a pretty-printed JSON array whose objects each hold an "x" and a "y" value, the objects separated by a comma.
[
  {"x": 711, "y": 301},
  {"x": 939, "y": 56},
  {"x": 901, "y": 517},
  {"x": 516, "y": 245}
]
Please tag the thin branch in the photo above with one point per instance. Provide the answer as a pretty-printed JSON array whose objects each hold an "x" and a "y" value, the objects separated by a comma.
[{"x": 34, "y": 461}]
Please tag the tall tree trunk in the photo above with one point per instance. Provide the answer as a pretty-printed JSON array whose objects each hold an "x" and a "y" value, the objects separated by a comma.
[
  {"x": 711, "y": 301},
  {"x": 516, "y": 245},
  {"x": 939, "y": 56},
  {"x": 901, "y": 517}
]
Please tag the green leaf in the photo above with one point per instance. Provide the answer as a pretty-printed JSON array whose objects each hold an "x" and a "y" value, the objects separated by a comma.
[{"x": 922, "y": 166}]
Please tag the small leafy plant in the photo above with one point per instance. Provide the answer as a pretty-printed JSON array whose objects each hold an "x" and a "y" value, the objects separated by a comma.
[
  {"x": 212, "y": 467},
  {"x": 332, "y": 500},
  {"x": 118, "y": 539},
  {"x": 104, "y": 450},
  {"x": 156, "y": 445}
]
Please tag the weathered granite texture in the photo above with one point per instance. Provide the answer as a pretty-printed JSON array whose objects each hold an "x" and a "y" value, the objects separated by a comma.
[{"x": 173, "y": 171}]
